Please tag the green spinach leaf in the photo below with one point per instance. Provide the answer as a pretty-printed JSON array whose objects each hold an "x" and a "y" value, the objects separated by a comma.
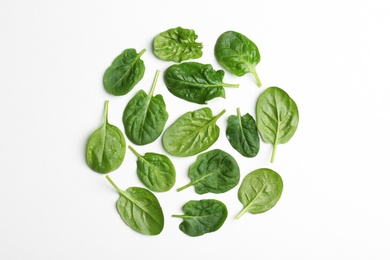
[
  {"x": 177, "y": 44},
  {"x": 202, "y": 216},
  {"x": 260, "y": 191},
  {"x": 277, "y": 117},
  {"x": 214, "y": 171},
  {"x": 192, "y": 133},
  {"x": 139, "y": 209},
  {"x": 145, "y": 116},
  {"x": 237, "y": 54},
  {"x": 106, "y": 147},
  {"x": 156, "y": 171},
  {"x": 195, "y": 82},
  {"x": 242, "y": 134},
  {"x": 124, "y": 73}
]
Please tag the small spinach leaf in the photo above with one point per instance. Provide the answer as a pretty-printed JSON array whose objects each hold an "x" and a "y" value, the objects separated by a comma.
[
  {"x": 237, "y": 54},
  {"x": 177, "y": 44},
  {"x": 192, "y": 133},
  {"x": 145, "y": 116},
  {"x": 202, "y": 216},
  {"x": 260, "y": 191},
  {"x": 277, "y": 117},
  {"x": 106, "y": 147},
  {"x": 156, "y": 171},
  {"x": 195, "y": 82},
  {"x": 124, "y": 73},
  {"x": 139, "y": 209},
  {"x": 242, "y": 134},
  {"x": 214, "y": 171}
]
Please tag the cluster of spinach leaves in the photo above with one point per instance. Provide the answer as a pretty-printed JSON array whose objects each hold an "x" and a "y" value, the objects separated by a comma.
[{"x": 214, "y": 171}]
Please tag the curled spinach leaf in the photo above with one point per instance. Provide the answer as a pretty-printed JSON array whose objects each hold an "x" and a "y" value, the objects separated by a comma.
[
  {"x": 277, "y": 117},
  {"x": 106, "y": 147},
  {"x": 214, "y": 171},
  {"x": 139, "y": 209},
  {"x": 260, "y": 191},
  {"x": 242, "y": 134},
  {"x": 202, "y": 216},
  {"x": 155, "y": 170},
  {"x": 145, "y": 116},
  {"x": 237, "y": 54},
  {"x": 124, "y": 73},
  {"x": 192, "y": 133},
  {"x": 177, "y": 44},
  {"x": 195, "y": 82}
]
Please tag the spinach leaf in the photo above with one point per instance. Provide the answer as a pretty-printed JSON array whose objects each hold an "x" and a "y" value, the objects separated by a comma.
[
  {"x": 214, "y": 171},
  {"x": 145, "y": 116},
  {"x": 192, "y": 133},
  {"x": 156, "y": 171},
  {"x": 242, "y": 134},
  {"x": 237, "y": 54},
  {"x": 277, "y": 117},
  {"x": 124, "y": 73},
  {"x": 202, "y": 216},
  {"x": 260, "y": 191},
  {"x": 106, "y": 147},
  {"x": 177, "y": 44},
  {"x": 139, "y": 209},
  {"x": 195, "y": 82}
]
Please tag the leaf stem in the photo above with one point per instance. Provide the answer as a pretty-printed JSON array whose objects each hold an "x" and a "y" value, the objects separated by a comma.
[
  {"x": 134, "y": 151},
  {"x": 230, "y": 85},
  {"x": 185, "y": 186},
  {"x": 220, "y": 114},
  {"x": 113, "y": 184},
  {"x": 154, "y": 83},
  {"x": 254, "y": 73},
  {"x": 105, "y": 120},
  {"x": 273, "y": 152},
  {"x": 178, "y": 216},
  {"x": 241, "y": 213}
]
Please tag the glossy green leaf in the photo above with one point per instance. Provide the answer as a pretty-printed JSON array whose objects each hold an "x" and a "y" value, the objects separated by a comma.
[
  {"x": 124, "y": 73},
  {"x": 106, "y": 147},
  {"x": 260, "y": 190},
  {"x": 214, "y": 171},
  {"x": 277, "y": 117},
  {"x": 195, "y": 82},
  {"x": 242, "y": 134},
  {"x": 237, "y": 54},
  {"x": 139, "y": 209},
  {"x": 156, "y": 171},
  {"x": 192, "y": 133},
  {"x": 145, "y": 116},
  {"x": 203, "y": 216},
  {"x": 177, "y": 44}
]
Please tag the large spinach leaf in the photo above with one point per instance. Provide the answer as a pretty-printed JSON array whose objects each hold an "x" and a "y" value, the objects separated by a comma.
[
  {"x": 242, "y": 134},
  {"x": 177, "y": 44},
  {"x": 260, "y": 190},
  {"x": 195, "y": 82},
  {"x": 106, "y": 147},
  {"x": 237, "y": 54},
  {"x": 192, "y": 133},
  {"x": 124, "y": 73},
  {"x": 202, "y": 216},
  {"x": 277, "y": 117},
  {"x": 145, "y": 116},
  {"x": 139, "y": 209},
  {"x": 214, "y": 171},
  {"x": 155, "y": 170}
]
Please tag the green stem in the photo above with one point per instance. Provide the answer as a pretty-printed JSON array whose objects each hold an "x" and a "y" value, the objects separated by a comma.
[
  {"x": 178, "y": 216},
  {"x": 230, "y": 85},
  {"x": 154, "y": 83},
  {"x": 134, "y": 151},
  {"x": 185, "y": 186},
  {"x": 254, "y": 73},
  {"x": 239, "y": 114},
  {"x": 105, "y": 120},
  {"x": 241, "y": 213},
  {"x": 220, "y": 114},
  {"x": 113, "y": 184},
  {"x": 273, "y": 152}
]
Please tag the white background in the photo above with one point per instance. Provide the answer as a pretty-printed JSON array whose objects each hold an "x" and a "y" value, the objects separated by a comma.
[{"x": 332, "y": 57}]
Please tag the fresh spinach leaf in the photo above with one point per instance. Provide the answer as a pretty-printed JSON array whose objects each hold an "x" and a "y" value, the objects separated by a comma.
[
  {"x": 242, "y": 134},
  {"x": 177, "y": 44},
  {"x": 139, "y": 209},
  {"x": 214, "y": 171},
  {"x": 145, "y": 116},
  {"x": 277, "y": 117},
  {"x": 202, "y": 216},
  {"x": 106, "y": 147},
  {"x": 260, "y": 191},
  {"x": 192, "y": 133},
  {"x": 237, "y": 54},
  {"x": 195, "y": 82},
  {"x": 124, "y": 73},
  {"x": 156, "y": 171}
]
